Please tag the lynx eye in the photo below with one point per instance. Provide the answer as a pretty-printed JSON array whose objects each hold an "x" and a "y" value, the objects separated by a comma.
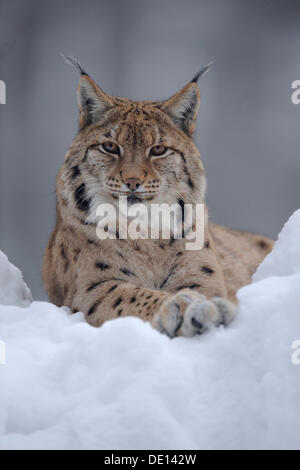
[
  {"x": 111, "y": 147},
  {"x": 158, "y": 150}
]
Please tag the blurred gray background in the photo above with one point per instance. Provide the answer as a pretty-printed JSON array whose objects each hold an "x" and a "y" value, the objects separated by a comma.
[{"x": 248, "y": 129}]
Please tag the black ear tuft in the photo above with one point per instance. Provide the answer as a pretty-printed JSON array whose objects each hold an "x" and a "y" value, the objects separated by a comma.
[
  {"x": 92, "y": 101},
  {"x": 75, "y": 64},
  {"x": 202, "y": 71},
  {"x": 184, "y": 106}
]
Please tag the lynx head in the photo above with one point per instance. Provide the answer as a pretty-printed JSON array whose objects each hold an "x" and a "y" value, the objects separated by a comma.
[{"x": 140, "y": 149}]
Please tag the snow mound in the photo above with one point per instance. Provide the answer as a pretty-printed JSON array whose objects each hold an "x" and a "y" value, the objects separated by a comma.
[
  {"x": 285, "y": 256},
  {"x": 67, "y": 385},
  {"x": 13, "y": 290}
]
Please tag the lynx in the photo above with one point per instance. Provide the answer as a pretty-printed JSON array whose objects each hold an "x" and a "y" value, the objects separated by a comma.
[{"x": 143, "y": 150}]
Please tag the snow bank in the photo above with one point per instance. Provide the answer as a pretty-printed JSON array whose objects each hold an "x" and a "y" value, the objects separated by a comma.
[
  {"x": 285, "y": 257},
  {"x": 13, "y": 290},
  {"x": 67, "y": 385}
]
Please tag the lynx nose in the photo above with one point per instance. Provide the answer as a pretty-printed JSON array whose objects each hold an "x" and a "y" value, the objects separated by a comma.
[{"x": 133, "y": 183}]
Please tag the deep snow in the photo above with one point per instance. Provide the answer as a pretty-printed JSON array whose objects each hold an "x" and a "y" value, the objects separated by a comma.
[{"x": 67, "y": 385}]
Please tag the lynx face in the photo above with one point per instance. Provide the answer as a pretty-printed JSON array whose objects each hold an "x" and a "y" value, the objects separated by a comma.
[{"x": 143, "y": 150}]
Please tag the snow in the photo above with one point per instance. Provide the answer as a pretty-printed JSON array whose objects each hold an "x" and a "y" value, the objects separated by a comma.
[
  {"x": 67, "y": 385},
  {"x": 285, "y": 257},
  {"x": 13, "y": 290}
]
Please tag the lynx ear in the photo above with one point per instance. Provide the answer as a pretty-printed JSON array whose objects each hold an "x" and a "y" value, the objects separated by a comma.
[
  {"x": 92, "y": 101},
  {"x": 183, "y": 107}
]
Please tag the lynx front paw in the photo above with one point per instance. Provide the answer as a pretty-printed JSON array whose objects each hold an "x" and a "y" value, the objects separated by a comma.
[{"x": 189, "y": 313}]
